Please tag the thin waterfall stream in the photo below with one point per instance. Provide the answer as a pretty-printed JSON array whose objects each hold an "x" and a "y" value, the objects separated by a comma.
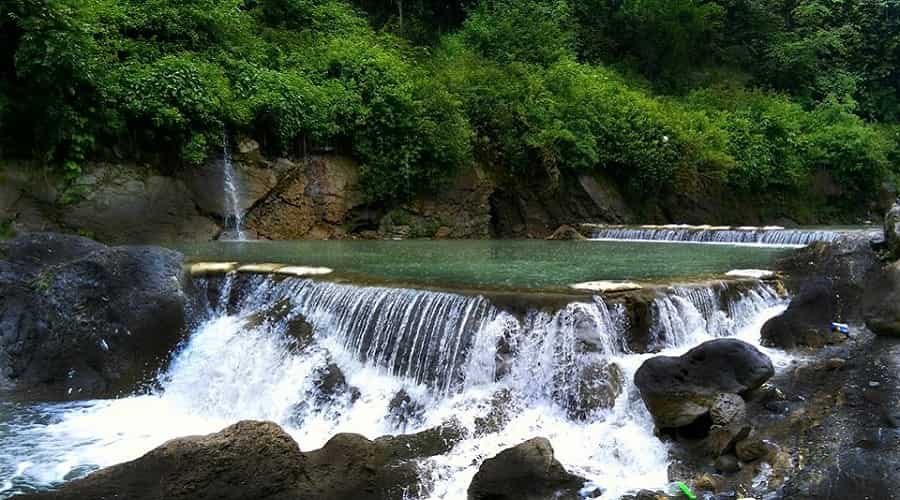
[
  {"x": 452, "y": 355},
  {"x": 234, "y": 214}
]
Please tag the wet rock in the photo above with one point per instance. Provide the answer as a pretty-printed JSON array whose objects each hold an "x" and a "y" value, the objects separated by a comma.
[
  {"x": 428, "y": 443},
  {"x": 849, "y": 265},
  {"x": 246, "y": 460},
  {"x": 329, "y": 384},
  {"x": 498, "y": 414},
  {"x": 708, "y": 482},
  {"x": 892, "y": 230},
  {"x": 807, "y": 320},
  {"x": 528, "y": 471},
  {"x": 403, "y": 410},
  {"x": 729, "y": 424},
  {"x": 566, "y": 232},
  {"x": 80, "y": 320},
  {"x": 597, "y": 386},
  {"x": 727, "y": 464},
  {"x": 258, "y": 460},
  {"x": 834, "y": 364},
  {"x": 751, "y": 449},
  {"x": 205, "y": 183},
  {"x": 882, "y": 314},
  {"x": 727, "y": 409},
  {"x": 351, "y": 466},
  {"x": 679, "y": 390},
  {"x": 856, "y": 473}
]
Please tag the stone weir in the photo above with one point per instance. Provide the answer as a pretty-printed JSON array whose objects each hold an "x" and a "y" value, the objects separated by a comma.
[
  {"x": 766, "y": 235},
  {"x": 428, "y": 334}
]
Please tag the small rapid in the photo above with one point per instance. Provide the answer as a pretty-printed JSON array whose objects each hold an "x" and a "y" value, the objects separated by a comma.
[
  {"x": 506, "y": 378},
  {"x": 745, "y": 235}
]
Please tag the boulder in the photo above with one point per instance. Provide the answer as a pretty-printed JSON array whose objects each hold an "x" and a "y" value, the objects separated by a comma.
[
  {"x": 329, "y": 384},
  {"x": 258, "y": 460},
  {"x": 728, "y": 414},
  {"x": 751, "y": 449},
  {"x": 246, "y": 460},
  {"x": 882, "y": 313},
  {"x": 127, "y": 204},
  {"x": 404, "y": 411},
  {"x": 679, "y": 390},
  {"x": 892, "y": 230},
  {"x": 807, "y": 320},
  {"x": 849, "y": 264},
  {"x": 350, "y": 466},
  {"x": 566, "y": 232},
  {"x": 596, "y": 387},
  {"x": 82, "y": 320},
  {"x": 528, "y": 471},
  {"x": 727, "y": 464}
]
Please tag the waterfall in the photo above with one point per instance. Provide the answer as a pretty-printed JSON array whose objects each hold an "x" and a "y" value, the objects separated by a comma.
[
  {"x": 234, "y": 215},
  {"x": 455, "y": 356},
  {"x": 688, "y": 315},
  {"x": 772, "y": 235}
]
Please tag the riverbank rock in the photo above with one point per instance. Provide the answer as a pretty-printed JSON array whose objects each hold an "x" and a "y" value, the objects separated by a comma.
[
  {"x": 882, "y": 314},
  {"x": 849, "y": 265},
  {"x": 892, "y": 230},
  {"x": 807, "y": 320},
  {"x": 528, "y": 471},
  {"x": 79, "y": 319},
  {"x": 679, "y": 390}
]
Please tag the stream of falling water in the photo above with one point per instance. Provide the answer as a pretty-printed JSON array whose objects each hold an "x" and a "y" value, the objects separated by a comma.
[
  {"x": 454, "y": 355},
  {"x": 234, "y": 216}
]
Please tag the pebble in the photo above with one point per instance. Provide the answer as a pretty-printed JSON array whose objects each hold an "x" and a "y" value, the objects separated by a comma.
[{"x": 873, "y": 384}]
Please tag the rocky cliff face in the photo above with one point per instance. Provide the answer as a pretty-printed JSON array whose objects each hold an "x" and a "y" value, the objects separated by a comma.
[{"x": 315, "y": 198}]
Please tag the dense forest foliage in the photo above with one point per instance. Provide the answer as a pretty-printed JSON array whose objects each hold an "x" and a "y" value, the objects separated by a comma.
[{"x": 759, "y": 96}]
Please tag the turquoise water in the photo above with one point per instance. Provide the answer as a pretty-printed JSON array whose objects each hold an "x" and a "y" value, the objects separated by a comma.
[{"x": 520, "y": 264}]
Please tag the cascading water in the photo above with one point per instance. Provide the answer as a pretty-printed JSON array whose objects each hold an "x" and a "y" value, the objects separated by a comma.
[
  {"x": 456, "y": 356},
  {"x": 234, "y": 216},
  {"x": 775, "y": 236}
]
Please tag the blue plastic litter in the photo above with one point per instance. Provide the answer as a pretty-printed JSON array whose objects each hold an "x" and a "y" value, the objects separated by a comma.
[{"x": 841, "y": 327}]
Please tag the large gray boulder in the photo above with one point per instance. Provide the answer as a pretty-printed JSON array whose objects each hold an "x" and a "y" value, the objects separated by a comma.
[
  {"x": 807, "y": 320},
  {"x": 882, "y": 313},
  {"x": 82, "y": 320},
  {"x": 679, "y": 390},
  {"x": 528, "y": 471}
]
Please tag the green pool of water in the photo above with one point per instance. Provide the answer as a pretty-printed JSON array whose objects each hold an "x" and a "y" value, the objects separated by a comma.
[{"x": 533, "y": 264}]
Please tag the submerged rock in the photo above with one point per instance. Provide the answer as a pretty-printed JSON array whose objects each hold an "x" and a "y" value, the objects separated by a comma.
[
  {"x": 403, "y": 410},
  {"x": 566, "y": 232},
  {"x": 807, "y": 320},
  {"x": 597, "y": 386},
  {"x": 679, "y": 390},
  {"x": 528, "y": 471},
  {"x": 82, "y": 320}
]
